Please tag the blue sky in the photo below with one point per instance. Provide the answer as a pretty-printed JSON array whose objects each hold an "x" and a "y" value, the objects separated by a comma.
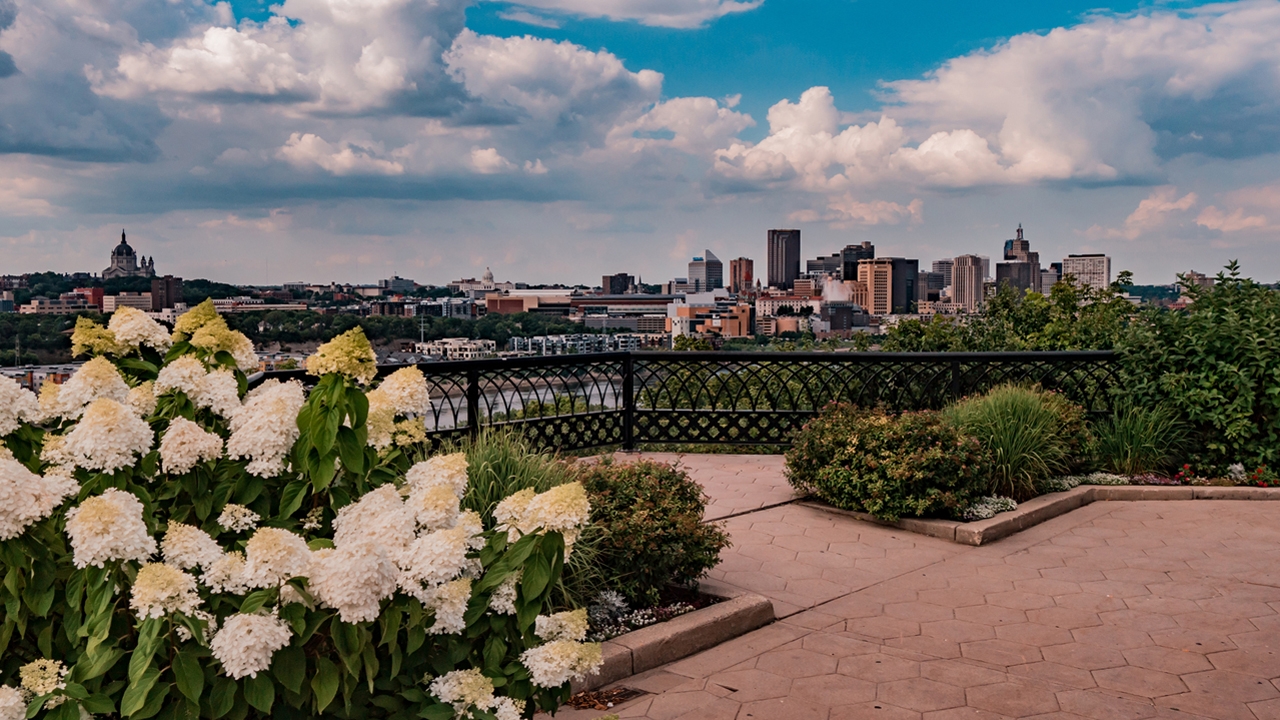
[{"x": 557, "y": 140}]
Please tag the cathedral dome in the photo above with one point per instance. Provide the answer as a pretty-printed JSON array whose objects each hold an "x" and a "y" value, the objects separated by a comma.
[{"x": 123, "y": 249}]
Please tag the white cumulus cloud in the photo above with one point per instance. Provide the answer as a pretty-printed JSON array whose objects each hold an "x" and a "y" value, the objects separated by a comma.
[{"x": 304, "y": 150}]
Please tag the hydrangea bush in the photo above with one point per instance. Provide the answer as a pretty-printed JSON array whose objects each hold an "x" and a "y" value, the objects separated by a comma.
[{"x": 174, "y": 545}]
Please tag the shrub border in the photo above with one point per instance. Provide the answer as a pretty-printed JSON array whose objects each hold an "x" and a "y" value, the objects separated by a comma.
[
  {"x": 1051, "y": 505},
  {"x": 678, "y": 638}
]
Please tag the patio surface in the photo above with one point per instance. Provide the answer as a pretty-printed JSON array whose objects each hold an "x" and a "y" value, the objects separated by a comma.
[{"x": 1118, "y": 610}]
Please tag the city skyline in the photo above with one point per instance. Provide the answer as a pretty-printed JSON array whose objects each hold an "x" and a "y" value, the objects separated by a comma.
[{"x": 437, "y": 140}]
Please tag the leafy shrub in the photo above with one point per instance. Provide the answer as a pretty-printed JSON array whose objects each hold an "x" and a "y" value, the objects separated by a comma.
[
  {"x": 1217, "y": 366},
  {"x": 298, "y": 579},
  {"x": 1137, "y": 440},
  {"x": 649, "y": 516},
  {"x": 1028, "y": 434},
  {"x": 915, "y": 464}
]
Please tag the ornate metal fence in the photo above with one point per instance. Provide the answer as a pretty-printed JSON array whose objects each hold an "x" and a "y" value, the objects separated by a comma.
[{"x": 574, "y": 402}]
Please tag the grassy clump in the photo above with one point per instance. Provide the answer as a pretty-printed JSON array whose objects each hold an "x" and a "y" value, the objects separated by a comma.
[{"x": 1137, "y": 440}]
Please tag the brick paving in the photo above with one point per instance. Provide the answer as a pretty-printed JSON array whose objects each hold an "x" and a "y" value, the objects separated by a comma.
[{"x": 1118, "y": 610}]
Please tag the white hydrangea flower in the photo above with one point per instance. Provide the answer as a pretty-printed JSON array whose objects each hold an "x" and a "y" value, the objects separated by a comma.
[
  {"x": 434, "y": 558},
  {"x": 220, "y": 392},
  {"x": 353, "y": 579},
  {"x": 96, "y": 379},
  {"x": 463, "y": 689},
  {"x": 108, "y": 527},
  {"x": 143, "y": 399},
  {"x": 245, "y": 643},
  {"x": 435, "y": 506},
  {"x": 503, "y": 600},
  {"x": 41, "y": 677},
  {"x": 559, "y": 661},
  {"x": 186, "y": 546},
  {"x": 226, "y": 574},
  {"x": 290, "y": 595},
  {"x": 473, "y": 527},
  {"x": 135, "y": 328},
  {"x": 380, "y": 421},
  {"x": 108, "y": 437},
  {"x": 17, "y": 405},
  {"x": 184, "y": 374},
  {"x": 185, "y": 444},
  {"x": 406, "y": 390},
  {"x": 506, "y": 708},
  {"x": 266, "y": 427},
  {"x": 563, "y": 508},
  {"x": 380, "y": 517},
  {"x": 25, "y": 497},
  {"x": 237, "y": 518},
  {"x": 510, "y": 513},
  {"x": 273, "y": 556},
  {"x": 449, "y": 602},
  {"x": 449, "y": 470},
  {"x": 568, "y": 625},
  {"x": 12, "y": 705},
  {"x": 161, "y": 589}
]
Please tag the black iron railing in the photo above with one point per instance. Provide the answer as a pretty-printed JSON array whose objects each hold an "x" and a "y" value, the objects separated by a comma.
[{"x": 575, "y": 402}]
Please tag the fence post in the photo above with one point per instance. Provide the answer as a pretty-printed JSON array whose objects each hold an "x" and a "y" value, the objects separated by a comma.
[
  {"x": 628, "y": 403},
  {"x": 955, "y": 379},
  {"x": 473, "y": 402}
]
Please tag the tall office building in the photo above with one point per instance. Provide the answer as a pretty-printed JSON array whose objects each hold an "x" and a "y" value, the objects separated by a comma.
[
  {"x": 967, "y": 280},
  {"x": 877, "y": 276},
  {"x": 165, "y": 291},
  {"x": 1092, "y": 270},
  {"x": 850, "y": 256},
  {"x": 1021, "y": 268},
  {"x": 706, "y": 272},
  {"x": 906, "y": 274},
  {"x": 617, "y": 284},
  {"x": 1049, "y": 277},
  {"x": 784, "y": 258},
  {"x": 944, "y": 267},
  {"x": 741, "y": 276},
  {"x": 832, "y": 264}
]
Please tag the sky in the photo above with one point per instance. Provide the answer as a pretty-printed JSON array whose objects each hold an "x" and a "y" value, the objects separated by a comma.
[{"x": 560, "y": 140}]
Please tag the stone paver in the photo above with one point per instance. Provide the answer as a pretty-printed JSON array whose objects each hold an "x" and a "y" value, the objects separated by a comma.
[{"x": 1116, "y": 610}]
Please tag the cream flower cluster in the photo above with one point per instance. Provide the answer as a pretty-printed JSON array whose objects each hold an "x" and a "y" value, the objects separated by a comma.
[
  {"x": 160, "y": 589},
  {"x": 564, "y": 509},
  {"x": 353, "y": 578},
  {"x": 12, "y": 705},
  {"x": 194, "y": 319},
  {"x": 448, "y": 470},
  {"x": 349, "y": 355},
  {"x": 568, "y": 625},
  {"x": 274, "y": 555},
  {"x": 142, "y": 399},
  {"x": 134, "y": 328},
  {"x": 218, "y": 390},
  {"x": 17, "y": 405},
  {"x": 41, "y": 677},
  {"x": 185, "y": 444},
  {"x": 26, "y": 497},
  {"x": 237, "y": 518},
  {"x": 90, "y": 338},
  {"x": 503, "y": 600},
  {"x": 564, "y": 657},
  {"x": 226, "y": 574},
  {"x": 108, "y": 437},
  {"x": 186, "y": 546},
  {"x": 245, "y": 643},
  {"x": 96, "y": 379},
  {"x": 108, "y": 527},
  {"x": 266, "y": 427},
  {"x": 407, "y": 392},
  {"x": 467, "y": 689}
]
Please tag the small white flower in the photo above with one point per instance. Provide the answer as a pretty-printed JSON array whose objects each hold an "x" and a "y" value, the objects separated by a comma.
[
  {"x": 108, "y": 527},
  {"x": 185, "y": 444},
  {"x": 245, "y": 643},
  {"x": 160, "y": 589},
  {"x": 110, "y": 436},
  {"x": 12, "y": 705},
  {"x": 463, "y": 689},
  {"x": 237, "y": 518},
  {"x": 273, "y": 556},
  {"x": 186, "y": 546},
  {"x": 226, "y": 574},
  {"x": 559, "y": 661},
  {"x": 41, "y": 677}
]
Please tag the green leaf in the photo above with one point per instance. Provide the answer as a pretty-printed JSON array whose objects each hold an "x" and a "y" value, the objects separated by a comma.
[
  {"x": 292, "y": 496},
  {"x": 351, "y": 450},
  {"x": 256, "y": 599},
  {"x": 135, "y": 696},
  {"x": 189, "y": 675},
  {"x": 537, "y": 574},
  {"x": 222, "y": 697},
  {"x": 289, "y": 665},
  {"x": 155, "y": 701},
  {"x": 140, "y": 662},
  {"x": 439, "y": 711},
  {"x": 325, "y": 683},
  {"x": 323, "y": 472},
  {"x": 260, "y": 692},
  {"x": 99, "y": 704}
]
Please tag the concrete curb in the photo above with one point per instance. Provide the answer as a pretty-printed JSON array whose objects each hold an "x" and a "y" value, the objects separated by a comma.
[
  {"x": 678, "y": 638},
  {"x": 1037, "y": 510}
]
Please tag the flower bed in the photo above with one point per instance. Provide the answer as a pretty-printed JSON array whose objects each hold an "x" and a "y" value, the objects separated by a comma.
[{"x": 175, "y": 546}]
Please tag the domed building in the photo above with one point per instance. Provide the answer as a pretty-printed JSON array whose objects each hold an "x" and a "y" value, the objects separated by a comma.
[{"x": 126, "y": 263}]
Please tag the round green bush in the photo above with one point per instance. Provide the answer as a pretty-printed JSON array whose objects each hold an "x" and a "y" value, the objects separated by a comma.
[
  {"x": 648, "y": 521},
  {"x": 910, "y": 465}
]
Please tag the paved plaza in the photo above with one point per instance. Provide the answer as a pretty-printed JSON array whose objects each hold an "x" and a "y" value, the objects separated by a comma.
[{"x": 1115, "y": 611}]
